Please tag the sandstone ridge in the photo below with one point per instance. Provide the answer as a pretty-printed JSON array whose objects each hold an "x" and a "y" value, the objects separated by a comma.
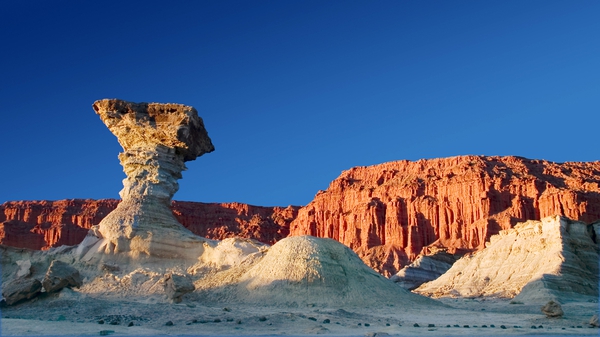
[
  {"x": 390, "y": 213},
  {"x": 46, "y": 224},
  {"x": 552, "y": 259}
]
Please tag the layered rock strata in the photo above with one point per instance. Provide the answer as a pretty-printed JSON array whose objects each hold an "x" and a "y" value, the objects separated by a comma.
[
  {"x": 45, "y": 224},
  {"x": 157, "y": 139},
  {"x": 555, "y": 258},
  {"x": 389, "y": 213},
  {"x": 424, "y": 268}
]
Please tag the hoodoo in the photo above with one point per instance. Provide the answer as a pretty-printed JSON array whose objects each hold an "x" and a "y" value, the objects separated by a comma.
[{"x": 157, "y": 139}]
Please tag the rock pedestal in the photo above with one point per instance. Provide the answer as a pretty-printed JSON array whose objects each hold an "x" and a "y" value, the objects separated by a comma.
[{"x": 157, "y": 139}]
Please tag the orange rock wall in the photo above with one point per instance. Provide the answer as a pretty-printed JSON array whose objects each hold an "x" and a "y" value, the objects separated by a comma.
[
  {"x": 389, "y": 213},
  {"x": 45, "y": 224}
]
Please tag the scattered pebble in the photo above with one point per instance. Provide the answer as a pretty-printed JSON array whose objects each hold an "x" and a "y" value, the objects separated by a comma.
[
  {"x": 226, "y": 309},
  {"x": 217, "y": 320},
  {"x": 239, "y": 321},
  {"x": 484, "y": 326},
  {"x": 367, "y": 324},
  {"x": 169, "y": 323},
  {"x": 431, "y": 326},
  {"x": 262, "y": 318},
  {"x": 387, "y": 324},
  {"x": 492, "y": 326},
  {"x": 312, "y": 318},
  {"x": 130, "y": 324},
  {"x": 101, "y": 321},
  {"x": 326, "y": 321},
  {"x": 502, "y": 327},
  {"x": 416, "y": 325},
  {"x": 456, "y": 326},
  {"x": 594, "y": 323},
  {"x": 534, "y": 327},
  {"x": 465, "y": 326},
  {"x": 359, "y": 324},
  {"x": 540, "y": 327},
  {"x": 229, "y": 319},
  {"x": 448, "y": 326}
]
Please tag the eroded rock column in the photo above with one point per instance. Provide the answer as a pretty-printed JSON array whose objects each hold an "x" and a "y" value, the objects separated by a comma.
[{"x": 157, "y": 140}]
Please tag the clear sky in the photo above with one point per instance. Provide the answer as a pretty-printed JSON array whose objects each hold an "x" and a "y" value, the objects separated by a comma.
[{"x": 293, "y": 92}]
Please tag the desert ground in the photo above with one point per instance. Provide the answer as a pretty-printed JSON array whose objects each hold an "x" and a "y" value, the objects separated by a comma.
[{"x": 72, "y": 313}]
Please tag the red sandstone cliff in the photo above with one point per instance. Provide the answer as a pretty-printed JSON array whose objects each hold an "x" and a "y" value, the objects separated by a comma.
[
  {"x": 45, "y": 224},
  {"x": 388, "y": 213}
]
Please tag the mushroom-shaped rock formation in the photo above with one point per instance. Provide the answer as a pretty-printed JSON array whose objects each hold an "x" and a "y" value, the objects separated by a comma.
[{"x": 157, "y": 139}]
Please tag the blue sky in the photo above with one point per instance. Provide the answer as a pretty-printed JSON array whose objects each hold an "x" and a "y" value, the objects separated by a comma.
[{"x": 294, "y": 92}]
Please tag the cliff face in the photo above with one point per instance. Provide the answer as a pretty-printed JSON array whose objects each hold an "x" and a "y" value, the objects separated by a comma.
[
  {"x": 220, "y": 221},
  {"x": 389, "y": 213},
  {"x": 45, "y": 224}
]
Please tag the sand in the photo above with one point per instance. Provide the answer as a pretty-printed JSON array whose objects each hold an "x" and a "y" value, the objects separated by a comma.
[{"x": 73, "y": 313}]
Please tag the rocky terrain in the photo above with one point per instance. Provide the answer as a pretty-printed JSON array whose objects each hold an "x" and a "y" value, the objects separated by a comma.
[
  {"x": 389, "y": 213},
  {"x": 425, "y": 268},
  {"x": 139, "y": 271},
  {"x": 555, "y": 258},
  {"x": 46, "y": 224}
]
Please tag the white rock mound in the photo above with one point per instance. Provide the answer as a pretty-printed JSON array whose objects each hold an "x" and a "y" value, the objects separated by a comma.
[
  {"x": 555, "y": 258},
  {"x": 304, "y": 270}
]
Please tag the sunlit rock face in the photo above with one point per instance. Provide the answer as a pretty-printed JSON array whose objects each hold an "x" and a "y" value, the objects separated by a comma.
[
  {"x": 157, "y": 139},
  {"x": 555, "y": 258},
  {"x": 44, "y": 224},
  {"x": 388, "y": 213}
]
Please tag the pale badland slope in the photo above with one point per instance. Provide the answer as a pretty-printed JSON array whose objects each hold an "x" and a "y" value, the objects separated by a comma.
[{"x": 555, "y": 258}]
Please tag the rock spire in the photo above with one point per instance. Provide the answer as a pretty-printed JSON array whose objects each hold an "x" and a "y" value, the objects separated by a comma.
[{"x": 157, "y": 139}]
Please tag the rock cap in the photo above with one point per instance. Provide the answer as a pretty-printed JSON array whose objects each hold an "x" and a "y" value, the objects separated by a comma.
[{"x": 143, "y": 125}]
